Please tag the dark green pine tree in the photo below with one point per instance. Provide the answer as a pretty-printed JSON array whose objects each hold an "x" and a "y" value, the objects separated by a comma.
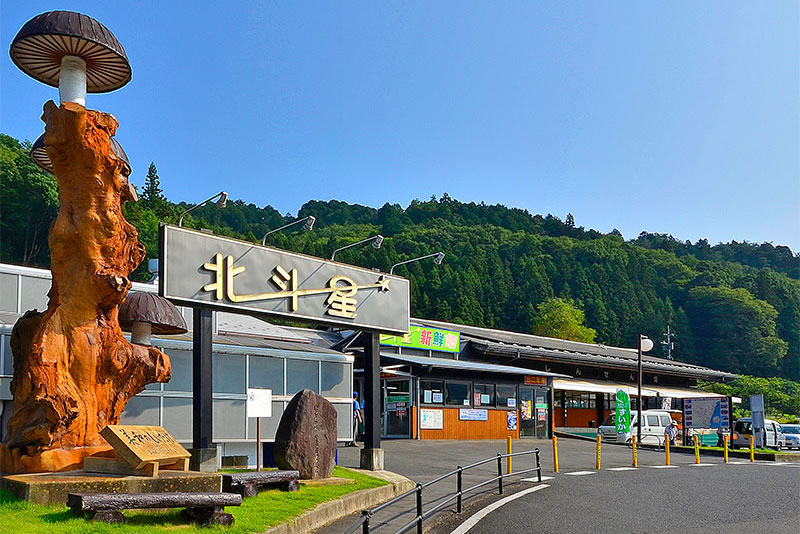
[{"x": 152, "y": 192}]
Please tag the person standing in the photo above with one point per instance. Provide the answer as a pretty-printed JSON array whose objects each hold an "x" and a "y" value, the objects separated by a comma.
[
  {"x": 357, "y": 418},
  {"x": 671, "y": 432}
]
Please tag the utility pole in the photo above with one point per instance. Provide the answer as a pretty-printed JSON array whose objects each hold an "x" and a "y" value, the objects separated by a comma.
[{"x": 667, "y": 345}]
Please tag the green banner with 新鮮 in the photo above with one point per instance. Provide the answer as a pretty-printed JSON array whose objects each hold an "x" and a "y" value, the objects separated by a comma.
[{"x": 422, "y": 337}]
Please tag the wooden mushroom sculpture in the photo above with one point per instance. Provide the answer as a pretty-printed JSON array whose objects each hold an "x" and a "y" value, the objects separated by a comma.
[
  {"x": 74, "y": 371},
  {"x": 73, "y": 52},
  {"x": 143, "y": 314}
]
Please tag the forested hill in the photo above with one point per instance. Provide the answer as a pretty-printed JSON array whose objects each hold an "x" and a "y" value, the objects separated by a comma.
[{"x": 732, "y": 306}]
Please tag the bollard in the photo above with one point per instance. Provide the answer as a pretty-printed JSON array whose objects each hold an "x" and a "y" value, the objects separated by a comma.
[
  {"x": 725, "y": 448},
  {"x": 597, "y": 462},
  {"x": 555, "y": 454},
  {"x": 666, "y": 449},
  {"x": 696, "y": 450},
  {"x": 508, "y": 450},
  {"x": 752, "y": 448},
  {"x": 635, "y": 457}
]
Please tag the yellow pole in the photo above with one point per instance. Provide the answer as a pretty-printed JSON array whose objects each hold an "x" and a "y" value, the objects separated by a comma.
[
  {"x": 508, "y": 450},
  {"x": 555, "y": 454},
  {"x": 635, "y": 457},
  {"x": 752, "y": 448},
  {"x": 725, "y": 448},
  {"x": 597, "y": 463},
  {"x": 696, "y": 449},
  {"x": 666, "y": 448}
]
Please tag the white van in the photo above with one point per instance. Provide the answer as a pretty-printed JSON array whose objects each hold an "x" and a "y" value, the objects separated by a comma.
[
  {"x": 773, "y": 430},
  {"x": 653, "y": 424}
]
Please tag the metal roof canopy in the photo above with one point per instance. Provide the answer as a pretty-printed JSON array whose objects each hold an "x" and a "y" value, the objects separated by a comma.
[
  {"x": 599, "y": 386},
  {"x": 468, "y": 366}
]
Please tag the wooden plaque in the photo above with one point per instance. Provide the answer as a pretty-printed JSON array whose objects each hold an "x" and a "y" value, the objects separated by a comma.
[{"x": 139, "y": 445}]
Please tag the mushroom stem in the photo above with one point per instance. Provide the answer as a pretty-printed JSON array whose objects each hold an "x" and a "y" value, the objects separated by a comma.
[
  {"x": 140, "y": 333},
  {"x": 72, "y": 80}
]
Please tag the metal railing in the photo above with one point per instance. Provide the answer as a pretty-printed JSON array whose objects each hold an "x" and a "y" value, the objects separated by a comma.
[{"x": 419, "y": 519}]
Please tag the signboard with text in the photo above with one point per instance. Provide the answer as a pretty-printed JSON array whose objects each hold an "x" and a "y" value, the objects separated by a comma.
[
  {"x": 422, "y": 337},
  {"x": 431, "y": 419},
  {"x": 536, "y": 380},
  {"x": 200, "y": 269},
  {"x": 138, "y": 445},
  {"x": 710, "y": 412},
  {"x": 471, "y": 414},
  {"x": 259, "y": 402},
  {"x": 622, "y": 412}
]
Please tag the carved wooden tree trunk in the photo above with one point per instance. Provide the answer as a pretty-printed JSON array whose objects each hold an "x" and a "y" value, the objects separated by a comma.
[{"x": 73, "y": 369}]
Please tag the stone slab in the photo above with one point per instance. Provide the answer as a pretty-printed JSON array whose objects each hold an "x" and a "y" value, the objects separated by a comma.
[{"x": 53, "y": 488}]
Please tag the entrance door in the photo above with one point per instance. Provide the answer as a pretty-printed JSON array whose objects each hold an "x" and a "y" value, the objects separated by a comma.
[
  {"x": 397, "y": 408},
  {"x": 527, "y": 412},
  {"x": 541, "y": 414}
]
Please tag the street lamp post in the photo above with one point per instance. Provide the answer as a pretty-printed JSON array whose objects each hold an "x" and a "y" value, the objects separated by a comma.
[
  {"x": 309, "y": 225},
  {"x": 644, "y": 345},
  {"x": 438, "y": 257},
  {"x": 377, "y": 241},
  {"x": 221, "y": 202}
]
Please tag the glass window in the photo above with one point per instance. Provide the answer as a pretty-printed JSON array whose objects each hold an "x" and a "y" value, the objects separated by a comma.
[
  {"x": 458, "y": 394},
  {"x": 666, "y": 420},
  {"x": 178, "y": 418},
  {"x": 228, "y": 373},
  {"x": 266, "y": 372},
  {"x": 484, "y": 395},
  {"x": 652, "y": 420},
  {"x": 432, "y": 391},
  {"x": 302, "y": 374},
  {"x": 141, "y": 411},
  {"x": 336, "y": 380},
  {"x": 8, "y": 362},
  {"x": 181, "y": 361},
  {"x": 609, "y": 420},
  {"x": 229, "y": 419},
  {"x": 506, "y": 393}
]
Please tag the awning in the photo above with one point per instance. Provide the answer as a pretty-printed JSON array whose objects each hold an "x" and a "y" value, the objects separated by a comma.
[
  {"x": 465, "y": 365},
  {"x": 676, "y": 392},
  {"x": 599, "y": 386}
]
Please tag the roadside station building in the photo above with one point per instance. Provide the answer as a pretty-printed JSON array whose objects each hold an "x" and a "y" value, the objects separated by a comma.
[{"x": 450, "y": 381}]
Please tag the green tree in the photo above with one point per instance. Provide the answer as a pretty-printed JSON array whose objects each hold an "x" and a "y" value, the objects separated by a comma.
[
  {"x": 151, "y": 192},
  {"x": 28, "y": 205},
  {"x": 735, "y": 331},
  {"x": 561, "y": 319}
]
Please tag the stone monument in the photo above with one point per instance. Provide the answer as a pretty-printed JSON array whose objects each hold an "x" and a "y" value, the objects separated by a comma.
[{"x": 306, "y": 436}]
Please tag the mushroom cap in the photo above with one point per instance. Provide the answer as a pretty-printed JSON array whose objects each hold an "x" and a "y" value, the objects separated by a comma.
[
  {"x": 162, "y": 315},
  {"x": 45, "y": 39},
  {"x": 39, "y": 156}
]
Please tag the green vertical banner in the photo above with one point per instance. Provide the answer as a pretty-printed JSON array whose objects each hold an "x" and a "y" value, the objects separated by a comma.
[{"x": 622, "y": 415}]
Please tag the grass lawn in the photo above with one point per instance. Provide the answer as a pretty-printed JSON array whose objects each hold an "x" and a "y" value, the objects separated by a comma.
[{"x": 256, "y": 514}]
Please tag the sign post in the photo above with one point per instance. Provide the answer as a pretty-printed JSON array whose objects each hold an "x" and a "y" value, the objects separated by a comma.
[
  {"x": 259, "y": 404},
  {"x": 209, "y": 272},
  {"x": 622, "y": 415}
]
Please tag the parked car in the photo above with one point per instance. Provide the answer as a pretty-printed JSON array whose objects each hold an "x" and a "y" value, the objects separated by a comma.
[
  {"x": 653, "y": 424},
  {"x": 791, "y": 435},
  {"x": 772, "y": 429}
]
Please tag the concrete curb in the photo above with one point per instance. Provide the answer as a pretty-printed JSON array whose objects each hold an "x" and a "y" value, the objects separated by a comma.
[{"x": 328, "y": 512}]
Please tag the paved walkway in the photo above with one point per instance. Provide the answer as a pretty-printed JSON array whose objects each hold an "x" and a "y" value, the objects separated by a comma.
[{"x": 422, "y": 461}]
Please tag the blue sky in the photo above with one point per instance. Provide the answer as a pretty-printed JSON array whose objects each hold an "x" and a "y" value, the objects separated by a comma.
[{"x": 677, "y": 117}]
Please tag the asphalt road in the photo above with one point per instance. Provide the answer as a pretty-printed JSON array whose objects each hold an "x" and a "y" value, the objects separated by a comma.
[
  {"x": 738, "y": 497},
  {"x": 716, "y": 498}
]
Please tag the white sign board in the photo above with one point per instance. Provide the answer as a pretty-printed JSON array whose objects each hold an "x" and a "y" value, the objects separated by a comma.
[
  {"x": 471, "y": 414},
  {"x": 708, "y": 412},
  {"x": 431, "y": 419},
  {"x": 259, "y": 402}
]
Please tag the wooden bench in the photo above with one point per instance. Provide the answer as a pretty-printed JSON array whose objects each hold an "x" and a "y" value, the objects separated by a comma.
[
  {"x": 248, "y": 484},
  {"x": 204, "y": 508}
]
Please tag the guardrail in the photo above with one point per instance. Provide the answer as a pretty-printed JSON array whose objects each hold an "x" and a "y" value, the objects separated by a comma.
[{"x": 419, "y": 519}]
